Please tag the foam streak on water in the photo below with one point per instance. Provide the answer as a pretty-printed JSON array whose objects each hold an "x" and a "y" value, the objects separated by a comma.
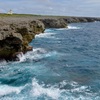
[
  {"x": 73, "y": 27},
  {"x": 45, "y": 35}
]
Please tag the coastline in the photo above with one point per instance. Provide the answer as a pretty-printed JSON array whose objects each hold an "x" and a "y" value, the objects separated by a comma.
[{"x": 16, "y": 32}]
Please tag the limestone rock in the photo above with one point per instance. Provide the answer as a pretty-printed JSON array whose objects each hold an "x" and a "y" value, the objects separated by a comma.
[
  {"x": 54, "y": 23},
  {"x": 15, "y": 37}
]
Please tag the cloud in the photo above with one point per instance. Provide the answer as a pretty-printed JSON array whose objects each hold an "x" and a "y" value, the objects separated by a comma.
[{"x": 53, "y": 7}]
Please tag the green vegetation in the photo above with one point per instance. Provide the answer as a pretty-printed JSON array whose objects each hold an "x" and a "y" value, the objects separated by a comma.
[
  {"x": 17, "y": 15},
  {"x": 40, "y": 16},
  {"x": 31, "y": 15}
]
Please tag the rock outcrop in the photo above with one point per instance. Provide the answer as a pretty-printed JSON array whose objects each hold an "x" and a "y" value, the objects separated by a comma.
[
  {"x": 15, "y": 37},
  {"x": 54, "y": 23},
  {"x": 80, "y": 19}
]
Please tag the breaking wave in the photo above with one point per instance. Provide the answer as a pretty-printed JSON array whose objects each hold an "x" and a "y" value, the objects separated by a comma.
[
  {"x": 46, "y": 35},
  {"x": 73, "y": 27},
  {"x": 37, "y": 54},
  {"x": 57, "y": 92},
  {"x": 6, "y": 90}
]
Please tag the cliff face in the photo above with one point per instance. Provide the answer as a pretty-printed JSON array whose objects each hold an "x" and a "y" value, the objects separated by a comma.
[
  {"x": 54, "y": 23},
  {"x": 17, "y": 32},
  {"x": 15, "y": 37},
  {"x": 80, "y": 19}
]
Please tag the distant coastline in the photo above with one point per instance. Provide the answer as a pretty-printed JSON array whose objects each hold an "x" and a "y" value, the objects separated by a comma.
[
  {"x": 18, "y": 30},
  {"x": 46, "y": 19}
]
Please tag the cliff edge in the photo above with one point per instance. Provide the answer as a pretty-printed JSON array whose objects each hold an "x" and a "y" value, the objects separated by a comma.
[
  {"x": 17, "y": 31},
  {"x": 15, "y": 37}
]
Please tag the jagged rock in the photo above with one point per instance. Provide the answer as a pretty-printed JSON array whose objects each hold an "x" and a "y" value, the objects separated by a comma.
[
  {"x": 36, "y": 26},
  {"x": 15, "y": 37},
  {"x": 54, "y": 23},
  {"x": 29, "y": 48},
  {"x": 80, "y": 19}
]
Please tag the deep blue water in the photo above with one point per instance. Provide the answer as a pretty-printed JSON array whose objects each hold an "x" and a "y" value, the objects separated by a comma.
[{"x": 64, "y": 65}]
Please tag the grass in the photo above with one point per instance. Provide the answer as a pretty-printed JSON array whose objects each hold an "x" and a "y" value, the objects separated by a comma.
[
  {"x": 17, "y": 15},
  {"x": 40, "y": 16},
  {"x": 29, "y": 15}
]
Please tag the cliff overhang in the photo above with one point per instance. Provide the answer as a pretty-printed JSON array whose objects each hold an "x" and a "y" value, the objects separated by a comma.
[{"x": 15, "y": 38}]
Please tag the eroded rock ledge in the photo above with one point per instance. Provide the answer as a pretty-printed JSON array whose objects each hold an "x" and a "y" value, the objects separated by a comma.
[{"x": 15, "y": 37}]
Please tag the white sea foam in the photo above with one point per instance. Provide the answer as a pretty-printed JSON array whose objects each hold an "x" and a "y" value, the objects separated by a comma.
[
  {"x": 3, "y": 62},
  {"x": 40, "y": 90},
  {"x": 62, "y": 29},
  {"x": 73, "y": 27},
  {"x": 46, "y": 35},
  {"x": 31, "y": 54},
  {"x": 21, "y": 57},
  {"x": 48, "y": 30},
  {"x": 68, "y": 28},
  {"x": 40, "y": 50},
  {"x": 49, "y": 92},
  {"x": 50, "y": 34},
  {"x": 55, "y": 93},
  {"x": 6, "y": 90},
  {"x": 37, "y": 54}
]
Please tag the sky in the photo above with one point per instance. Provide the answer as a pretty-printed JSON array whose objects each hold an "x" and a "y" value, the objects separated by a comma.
[{"x": 53, "y": 7}]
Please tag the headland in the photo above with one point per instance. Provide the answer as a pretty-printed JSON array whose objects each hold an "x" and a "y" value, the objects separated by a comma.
[{"x": 18, "y": 30}]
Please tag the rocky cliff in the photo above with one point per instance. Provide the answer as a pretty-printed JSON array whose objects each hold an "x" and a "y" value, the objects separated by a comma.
[
  {"x": 80, "y": 19},
  {"x": 17, "y": 32},
  {"x": 54, "y": 23},
  {"x": 15, "y": 37}
]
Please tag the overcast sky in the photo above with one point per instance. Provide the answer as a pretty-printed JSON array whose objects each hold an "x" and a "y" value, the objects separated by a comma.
[{"x": 53, "y": 7}]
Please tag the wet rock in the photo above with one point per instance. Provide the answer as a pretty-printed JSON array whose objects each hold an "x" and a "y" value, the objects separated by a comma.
[
  {"x": 29, "y": 48},
  {"x": 15, "y": 37}
]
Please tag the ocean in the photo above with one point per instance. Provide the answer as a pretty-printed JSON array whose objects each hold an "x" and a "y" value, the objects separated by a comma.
[{"x": 64, "y": 65}]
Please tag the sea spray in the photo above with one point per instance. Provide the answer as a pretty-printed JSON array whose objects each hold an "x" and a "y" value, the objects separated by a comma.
[
  {"x": 2, "y": 63},
  {"x": 21, "y": 57}
]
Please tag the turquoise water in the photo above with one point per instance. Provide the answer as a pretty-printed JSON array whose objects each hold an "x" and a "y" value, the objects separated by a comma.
[{"x": 64, "y": 65}]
